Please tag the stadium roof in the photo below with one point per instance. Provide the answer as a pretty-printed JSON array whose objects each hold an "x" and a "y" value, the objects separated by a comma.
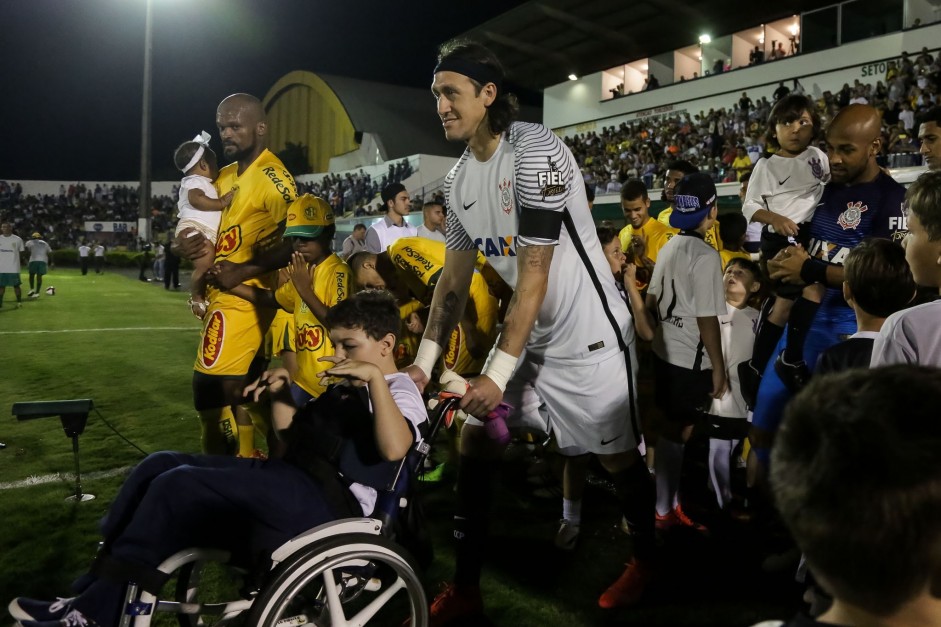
[{"x": 543, "y": 41}]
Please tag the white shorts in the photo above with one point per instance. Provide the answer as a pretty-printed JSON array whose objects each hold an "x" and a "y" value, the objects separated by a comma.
[
  {"x": 587, "y": 408},
  {"x": 205, "y": 229}
]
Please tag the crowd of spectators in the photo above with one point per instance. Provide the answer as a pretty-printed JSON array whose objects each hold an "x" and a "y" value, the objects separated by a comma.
[
  {"x": 716, "y": 141},
  {"x": 713, "y": 140},
  {"x": 354, "y": 191},
  {"x": 60, "y": 218}
]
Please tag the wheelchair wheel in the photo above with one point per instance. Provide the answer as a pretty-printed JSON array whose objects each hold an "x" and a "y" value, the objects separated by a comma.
[
  {"x": 187, "y": 585},
  {"x": 354, "y": 579}
]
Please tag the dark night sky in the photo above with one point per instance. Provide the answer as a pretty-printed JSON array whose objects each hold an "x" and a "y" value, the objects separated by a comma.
[{"x": 71, "y": 70}]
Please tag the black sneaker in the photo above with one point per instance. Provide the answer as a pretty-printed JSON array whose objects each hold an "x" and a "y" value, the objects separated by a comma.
[
  {"x": 794, "y": 376},
  {"x": 22, "y": 609}
]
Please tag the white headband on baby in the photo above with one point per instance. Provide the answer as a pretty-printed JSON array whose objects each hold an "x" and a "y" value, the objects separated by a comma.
[{"x": 203, "y": 140}]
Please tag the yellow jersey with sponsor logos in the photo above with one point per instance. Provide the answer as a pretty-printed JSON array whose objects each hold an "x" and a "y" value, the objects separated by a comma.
[
  {"x": 419, "y": 262},
  {"x": 254, "y": 220},
  {"x": 655, "y": 233},
  {"x": 712, "y": 235},
  {"x": 330, "y": 281}
]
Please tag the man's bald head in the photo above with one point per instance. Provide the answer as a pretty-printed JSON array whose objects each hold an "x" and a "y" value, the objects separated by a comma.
[
  {"x": 247, "y": 103},
  {"x": 854, "y": 138},
  {"x": 242, "y": 128}
]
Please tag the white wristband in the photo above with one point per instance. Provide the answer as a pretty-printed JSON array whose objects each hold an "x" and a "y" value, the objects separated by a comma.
[
  {"x": 427, "y": 356},
  {"x": 499, "y": 368}
]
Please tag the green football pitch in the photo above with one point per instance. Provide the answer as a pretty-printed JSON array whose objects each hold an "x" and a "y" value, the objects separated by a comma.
[{"x": 130, "y": 345}]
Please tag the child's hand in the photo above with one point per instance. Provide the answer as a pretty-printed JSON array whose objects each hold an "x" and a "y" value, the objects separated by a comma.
[
  {"x": 300, "y": 272},
  {"x": 272, "y": 381},
  {"x": 783, "y": 226},
  {"x": 629, "y": 273},
  {"x": 638, "y": 245},
  {"x": 227, "y": 198},
  {"x": 359, "y": 373},
  {"x": 414, "y": 324}
]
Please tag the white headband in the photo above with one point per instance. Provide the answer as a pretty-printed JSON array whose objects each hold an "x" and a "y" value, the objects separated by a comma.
[{"x": 203, "y": 140}]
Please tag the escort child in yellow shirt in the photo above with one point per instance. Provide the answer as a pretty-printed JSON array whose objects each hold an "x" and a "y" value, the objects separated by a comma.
[
  {"x": 410, "y": 269},
  {"x": 319, "y": 280}
]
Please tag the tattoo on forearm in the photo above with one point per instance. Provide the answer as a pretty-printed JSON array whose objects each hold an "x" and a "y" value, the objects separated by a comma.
[
  {"x": 444, "y": 318},
  {"x": 537, "y": 257}
]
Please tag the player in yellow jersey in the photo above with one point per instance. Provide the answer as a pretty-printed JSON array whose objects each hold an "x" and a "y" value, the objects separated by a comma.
[
  {"x": 410, "y": 269},
  {"x": 643, "y": 237},
  {"x": 676, "y": 170},
  {"x": 248, "y": 249},
  {"x": 319, "y": 280}
]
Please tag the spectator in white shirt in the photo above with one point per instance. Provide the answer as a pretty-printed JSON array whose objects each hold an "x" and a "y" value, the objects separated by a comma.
[
  {"x": 433, "y": 226},
  {"x": 397, "y": 204}
]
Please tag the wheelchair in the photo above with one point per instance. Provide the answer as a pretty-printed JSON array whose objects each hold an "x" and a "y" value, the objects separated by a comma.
[{"x": 345, "y": 573}]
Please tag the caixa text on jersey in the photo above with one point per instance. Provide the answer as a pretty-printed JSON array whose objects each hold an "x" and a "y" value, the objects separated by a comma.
[{"x": 497, "y": 246}]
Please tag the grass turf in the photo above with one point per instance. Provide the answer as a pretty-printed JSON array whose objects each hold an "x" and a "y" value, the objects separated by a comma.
[{"x": 129, "y": 346}]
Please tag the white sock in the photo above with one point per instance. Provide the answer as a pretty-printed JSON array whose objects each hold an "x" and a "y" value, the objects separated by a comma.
[
  {"x": 572, "y": 511},
  {"x": 668, "y": 464},
  {"x": 720, "y": 457}
]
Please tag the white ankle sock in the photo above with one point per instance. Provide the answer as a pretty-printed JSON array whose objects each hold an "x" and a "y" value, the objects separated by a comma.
[
  {"x": 720, "y": 457},
  {"x": 668, "y": 464},
  {"x": 572, "y": 511}
]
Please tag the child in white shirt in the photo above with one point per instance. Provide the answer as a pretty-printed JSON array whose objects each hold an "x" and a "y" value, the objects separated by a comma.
[
  {"x": 783, "y": 193},
  {"x": 200, "y": 208}
]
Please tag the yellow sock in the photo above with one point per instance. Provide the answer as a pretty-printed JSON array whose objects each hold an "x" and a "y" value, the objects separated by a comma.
[
  {"x": 260, "y": 415},
  {"x": 246, "y": 432},
  {"x": 218, "y": 431}
]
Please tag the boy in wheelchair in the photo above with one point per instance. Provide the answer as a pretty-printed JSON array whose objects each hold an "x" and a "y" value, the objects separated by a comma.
[{"x": 351, "y": 436}]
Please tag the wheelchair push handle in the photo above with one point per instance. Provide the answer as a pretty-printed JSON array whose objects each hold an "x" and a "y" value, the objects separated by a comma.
[{"x": 454, "y": 388}]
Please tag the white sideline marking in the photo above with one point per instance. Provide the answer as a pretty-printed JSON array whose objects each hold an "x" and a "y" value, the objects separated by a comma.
[
  {"x": 100, "y": 330},
  {"x": 65, "y": 477}
]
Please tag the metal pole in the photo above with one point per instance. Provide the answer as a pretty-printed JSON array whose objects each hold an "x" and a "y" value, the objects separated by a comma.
[{"x": 143, "y": 216}]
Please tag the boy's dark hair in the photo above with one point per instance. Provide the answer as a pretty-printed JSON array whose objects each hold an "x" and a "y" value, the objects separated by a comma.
[
  {"x": 746, "y": 264},
  {"x": 185, "y": 152},
  {"x": 683, "y": 166},
  {"x": 359, "y": 226},
  {"x": 389, "y": 192},
  {"x": 857, "y": 479},
  {"x": 606, "y": 234},
  {"x": 373, "y": 311},
  {"x": 788, "y": 109},
  {"x": 923, "y": 199},
  {"x": 505, "y": 108},
  {"x": 879, "y": 278},
  {"x": 745, "y": 178},
  {"x": 325, "y": 239},
  {"x": 732, "y": 227},
  {"x": 634, "y": 189}
]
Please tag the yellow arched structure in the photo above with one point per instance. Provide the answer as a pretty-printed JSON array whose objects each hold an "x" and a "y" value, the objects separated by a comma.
[{"x": 303, "y": 109}]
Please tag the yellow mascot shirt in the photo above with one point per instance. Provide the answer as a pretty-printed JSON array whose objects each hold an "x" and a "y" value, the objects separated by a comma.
[
  {"x": 252, "y": 223},
  {"x": 419, "y": 262},
  {"x": 330, "y": 281}
]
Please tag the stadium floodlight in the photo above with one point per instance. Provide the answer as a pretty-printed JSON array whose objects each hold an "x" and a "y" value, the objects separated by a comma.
[
  {"x": 143, "y": 209},
  {"x": 573, "y": 77},
  {"x": 705, "y": 39}
]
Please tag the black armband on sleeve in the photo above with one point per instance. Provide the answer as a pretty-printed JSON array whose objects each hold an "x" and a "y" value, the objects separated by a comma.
[
  {"x": 540, "y": 223},
  {"x": 814, "y": 271}
]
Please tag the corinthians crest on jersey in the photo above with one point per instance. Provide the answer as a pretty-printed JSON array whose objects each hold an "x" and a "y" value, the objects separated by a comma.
[
  {"x": 506, "y": 195},
  {"x": 851, "y": 218}
]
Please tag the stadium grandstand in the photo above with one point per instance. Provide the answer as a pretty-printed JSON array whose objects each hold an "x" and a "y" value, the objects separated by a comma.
[{"x": 699, "y": 101}]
